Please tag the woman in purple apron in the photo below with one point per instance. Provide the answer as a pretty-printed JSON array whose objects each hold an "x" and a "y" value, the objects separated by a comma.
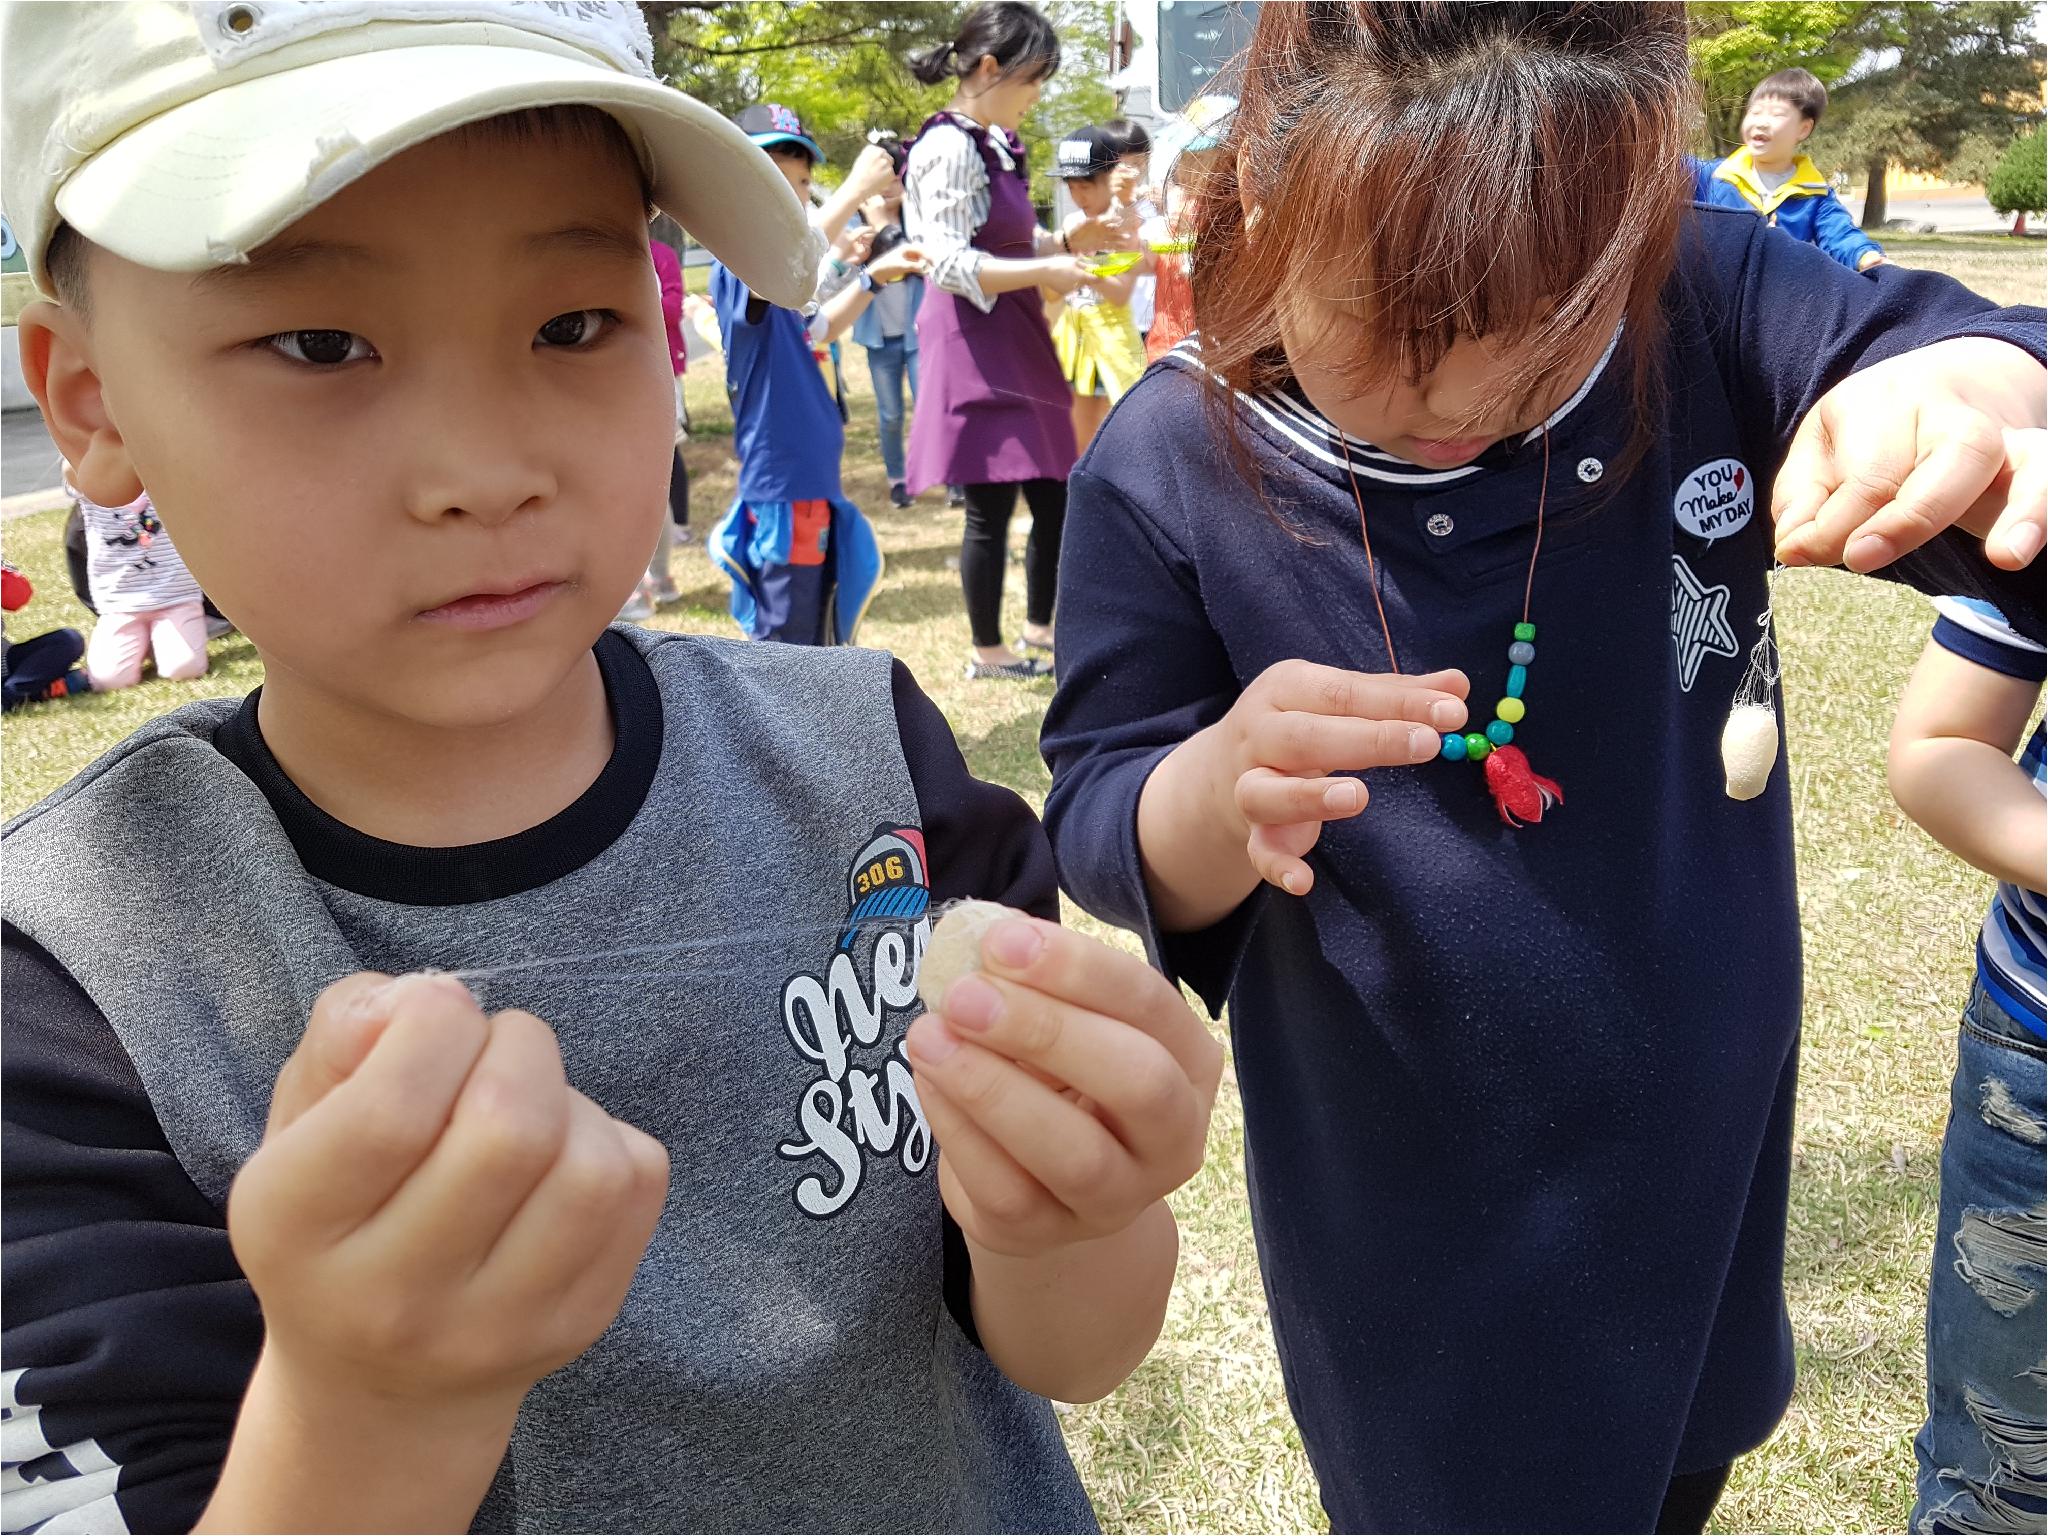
[{"x": 993, "y": 408}]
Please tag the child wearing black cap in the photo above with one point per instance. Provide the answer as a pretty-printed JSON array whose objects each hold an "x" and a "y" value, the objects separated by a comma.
[{"x": 1099, "y": 347}]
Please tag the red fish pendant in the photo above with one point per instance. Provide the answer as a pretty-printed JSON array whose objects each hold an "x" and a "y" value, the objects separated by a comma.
[{"x": 1519, "y": 790}]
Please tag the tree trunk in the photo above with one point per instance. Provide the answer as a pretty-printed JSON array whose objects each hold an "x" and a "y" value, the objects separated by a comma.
[
  {"x": 2019, "y": 223},
  {"x": 1874, "y": 208}
]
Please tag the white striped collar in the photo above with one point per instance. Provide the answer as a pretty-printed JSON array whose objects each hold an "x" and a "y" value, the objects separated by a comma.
[{"x": 1307, "y": 428}]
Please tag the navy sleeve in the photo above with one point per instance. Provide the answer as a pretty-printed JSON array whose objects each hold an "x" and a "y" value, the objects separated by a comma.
[
  {"x": 1793, "y": 323},
  {"x": 1126, "y": 589},
  {"x": 1979, "y": 634},
  {"x": 980, "y": 840},
  {"x": 129, "y": 1332}
]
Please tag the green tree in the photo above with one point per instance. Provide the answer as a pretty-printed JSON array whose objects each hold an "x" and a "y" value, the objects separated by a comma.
[
  {"x": 1940, "y": 75},
  {"x": 844, "y": 68},
  {"x": 2018, "y": 185},
  {"x": 1735, "y": 43}
]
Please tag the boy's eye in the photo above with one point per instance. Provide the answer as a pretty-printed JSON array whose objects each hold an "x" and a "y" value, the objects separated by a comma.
[
  {"x": 578, "y": 328},
  {"x": 321, "y": 349}
]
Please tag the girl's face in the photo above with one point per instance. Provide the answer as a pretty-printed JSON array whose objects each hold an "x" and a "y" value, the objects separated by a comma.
[
  {"x": 998, "y": 100},
  {"x": 1445, "y": 419}
]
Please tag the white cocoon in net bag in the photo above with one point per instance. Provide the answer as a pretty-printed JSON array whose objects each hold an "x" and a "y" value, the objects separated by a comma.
[
  {"x": 1749, "y": 745},
  {"x": 954, "y": 949}
]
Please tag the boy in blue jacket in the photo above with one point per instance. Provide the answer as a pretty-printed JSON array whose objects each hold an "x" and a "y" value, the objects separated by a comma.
[{"x": 1772, "y": 176}]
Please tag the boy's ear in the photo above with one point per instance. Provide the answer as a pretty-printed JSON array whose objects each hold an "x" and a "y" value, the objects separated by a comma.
[
  {"x": 1806, "y": 127},
  {"x": 56, "y": 360}
]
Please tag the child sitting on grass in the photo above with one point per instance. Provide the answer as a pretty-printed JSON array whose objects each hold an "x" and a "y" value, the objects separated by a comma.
[{"x": 337, "y": 1190}]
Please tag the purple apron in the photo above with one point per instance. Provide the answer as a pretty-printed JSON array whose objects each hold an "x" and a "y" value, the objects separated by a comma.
[{"x": 993, "y": 406}]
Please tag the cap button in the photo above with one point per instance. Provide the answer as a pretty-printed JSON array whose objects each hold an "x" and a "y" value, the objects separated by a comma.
[
  {"x": 1440, "y": 525},
  {"x": 1591, "y": 470}
]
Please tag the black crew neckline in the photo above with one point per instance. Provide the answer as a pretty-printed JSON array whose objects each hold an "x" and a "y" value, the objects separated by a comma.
[{"x": 337, "y": 853}]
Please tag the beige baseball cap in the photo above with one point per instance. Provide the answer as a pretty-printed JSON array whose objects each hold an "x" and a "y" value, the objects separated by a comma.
[{"x": 182, "y": 136}]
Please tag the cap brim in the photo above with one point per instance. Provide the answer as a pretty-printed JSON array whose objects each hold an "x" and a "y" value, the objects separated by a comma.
[
  {"x": 203, "y": 184},
  {"x": 770, "y": 140}
]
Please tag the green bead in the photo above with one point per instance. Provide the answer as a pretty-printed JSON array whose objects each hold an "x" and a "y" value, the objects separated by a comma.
[
  {"x": 1499, "y": 732},
  {"x": 1477, "y": 747},
  {"x": 1518, "y": 679},
  {"x": 1511, "y": 710},
  {"x": 1525, "y": 631}
]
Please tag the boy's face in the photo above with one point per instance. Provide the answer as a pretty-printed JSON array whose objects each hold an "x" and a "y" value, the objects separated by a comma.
[
  {"x": 795, "y": 166},
  {"x": 1774, "y": 129},
  {"x": 418, "y": 447},
  {"x": 1090, "y": 194},
  {"x": 1139, "y": 166}
]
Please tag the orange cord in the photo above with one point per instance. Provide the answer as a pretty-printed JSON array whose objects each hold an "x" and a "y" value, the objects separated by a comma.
[{"x": 1372, "y": 569}]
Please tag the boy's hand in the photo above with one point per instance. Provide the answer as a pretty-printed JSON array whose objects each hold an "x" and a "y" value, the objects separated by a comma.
[
  {"x": 1297, "y": 726},
  {"x": 1948, "y": 435},
  {"x": 896, "y": 264},
  {"x": 1068, "y": 1087},
  {"x": 435, "y": 1215},
  {"x": 873, "y": 174}
]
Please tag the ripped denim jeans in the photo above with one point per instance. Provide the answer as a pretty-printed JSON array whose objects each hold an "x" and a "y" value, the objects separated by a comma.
[{"x": 1982, "y": 1453}]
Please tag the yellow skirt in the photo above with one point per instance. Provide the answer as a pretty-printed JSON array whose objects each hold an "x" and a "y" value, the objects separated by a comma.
[{"x": 1099, "y": 348}]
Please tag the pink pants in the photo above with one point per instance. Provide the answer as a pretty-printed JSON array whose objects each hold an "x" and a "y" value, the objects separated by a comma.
[{"x": 122, "y": 641}]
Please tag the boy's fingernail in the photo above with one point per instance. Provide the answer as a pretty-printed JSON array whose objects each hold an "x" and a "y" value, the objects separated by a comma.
[
  {"x": 1341, "y": 797},
  {"x": 1012, "y": 943},
  {"x": 1447, "y": 714},
  {"x": 2025, "y": 542},
  {"x": 372, "y": 1002},
  {"x": 930, "y": 1040},
  {"x": 1868, "y": 550},
  {"x": 1424, "y": 743},
  {"x": 1291, "y": 882},
  {"x": 973, "y": 1004}
]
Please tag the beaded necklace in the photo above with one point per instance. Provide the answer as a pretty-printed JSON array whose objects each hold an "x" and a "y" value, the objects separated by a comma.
[{"x": 1519, "y": 792}]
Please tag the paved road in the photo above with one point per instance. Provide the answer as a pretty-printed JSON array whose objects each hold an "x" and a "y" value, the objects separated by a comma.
[
  {"x": 29, "y": 461},
  {"x": 1949, "y": 215}
]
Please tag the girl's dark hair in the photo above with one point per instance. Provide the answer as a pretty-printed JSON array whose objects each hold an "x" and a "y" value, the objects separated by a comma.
[
  {"x": 1129, "y": 138},
  {"x": 1017, "y": 36},
  {"x": 1437, "y": 171}
]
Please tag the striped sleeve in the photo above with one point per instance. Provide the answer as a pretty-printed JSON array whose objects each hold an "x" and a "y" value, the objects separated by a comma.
[
  {"x": 945, "y": 200},
  {"x": 1978, "y": 632}
]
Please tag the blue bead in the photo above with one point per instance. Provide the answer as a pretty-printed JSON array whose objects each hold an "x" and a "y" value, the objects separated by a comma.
[
  {"x": 1518, "y": 679},
  {"x": 1521, "y": 653},
  {"x": 1499, "y": 732},
  {"x": 1454, "y": 749}
]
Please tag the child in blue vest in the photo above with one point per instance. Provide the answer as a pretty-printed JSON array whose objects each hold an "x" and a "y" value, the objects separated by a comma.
[
  {"x": 1772, "y": 176},
  {"x": 1402, "y": 612},
  {"x": 478, "y": 1080},
  {"x": 1960, "y": 721},
  {"x": 803, "y": 559}
]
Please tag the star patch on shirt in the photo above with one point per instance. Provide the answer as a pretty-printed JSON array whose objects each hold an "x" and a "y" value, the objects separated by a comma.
[{"x": 1699, "y": 622}]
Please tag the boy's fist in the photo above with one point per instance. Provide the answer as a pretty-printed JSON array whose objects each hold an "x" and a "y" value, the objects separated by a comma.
[{"x": 434, "y": 1212}]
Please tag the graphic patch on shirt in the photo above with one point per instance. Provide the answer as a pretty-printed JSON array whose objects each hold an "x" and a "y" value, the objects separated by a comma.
[
  {"x": 1715, "y": 500},
  {"x": 53, "y": 1487},
  {"x": 849, "y": 1024},
  {"x": 1699, "y": 622}
]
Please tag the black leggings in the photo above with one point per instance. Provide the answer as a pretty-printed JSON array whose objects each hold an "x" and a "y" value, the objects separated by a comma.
[
  {"x": 1690, "y": 1499},
  {"x": 679, "y": 492},
  {"x": 984, "y": 549}
]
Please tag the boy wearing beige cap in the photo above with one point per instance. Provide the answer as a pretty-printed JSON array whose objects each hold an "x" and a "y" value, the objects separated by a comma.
[{"x": 638, "y": 1200}]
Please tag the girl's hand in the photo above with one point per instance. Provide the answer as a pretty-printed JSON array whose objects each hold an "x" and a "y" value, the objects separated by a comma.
[
  {"x": 435, "y": 1216},
  {"x": 1063, "y": 274},
  {"x": 1068, "y": 1088},
  {"x": 854, "y": 243},
  {"x": 1293, "y": 741},
  {"x": 1947, "y": 435}
]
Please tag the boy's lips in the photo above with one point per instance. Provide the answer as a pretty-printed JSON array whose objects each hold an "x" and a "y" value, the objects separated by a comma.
[{"x": 497, "y": 608}]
